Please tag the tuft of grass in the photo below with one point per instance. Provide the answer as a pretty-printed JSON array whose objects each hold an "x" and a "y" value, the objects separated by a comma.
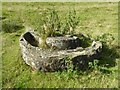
[{"x": 10, "y": 26}]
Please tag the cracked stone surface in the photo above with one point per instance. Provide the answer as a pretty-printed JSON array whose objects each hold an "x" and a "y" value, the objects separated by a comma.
[{"x": 53, "y": 60}]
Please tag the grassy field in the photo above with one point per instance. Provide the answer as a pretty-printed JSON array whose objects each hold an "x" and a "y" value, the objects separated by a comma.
[{"x": 96, "y": 19}]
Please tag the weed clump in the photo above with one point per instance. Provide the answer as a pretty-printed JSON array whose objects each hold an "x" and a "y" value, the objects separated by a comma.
[
  {"x": 54, "y": 26},
  {"x": 71, "y": 23}
]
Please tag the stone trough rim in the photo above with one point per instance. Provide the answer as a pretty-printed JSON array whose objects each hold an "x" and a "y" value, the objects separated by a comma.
[{"x": 70, "y": 52}]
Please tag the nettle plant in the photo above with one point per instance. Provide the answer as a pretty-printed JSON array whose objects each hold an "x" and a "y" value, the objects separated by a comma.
[
  {"x": 71, "y": 22},
  {"x": 53, "y": 25}
]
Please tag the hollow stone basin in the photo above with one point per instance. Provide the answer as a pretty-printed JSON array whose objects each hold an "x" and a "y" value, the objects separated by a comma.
[
  {"x": 53, "y": 60},
  {"x": 66, "y": 42}
]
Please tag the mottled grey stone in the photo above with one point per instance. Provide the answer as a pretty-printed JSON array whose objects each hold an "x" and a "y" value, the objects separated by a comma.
[
  {"x": 52, "y": 60},
  {"x": 62, "y": 43}
]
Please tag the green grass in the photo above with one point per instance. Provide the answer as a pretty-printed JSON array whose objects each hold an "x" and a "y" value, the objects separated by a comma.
[{"x": 96, "y": 19}]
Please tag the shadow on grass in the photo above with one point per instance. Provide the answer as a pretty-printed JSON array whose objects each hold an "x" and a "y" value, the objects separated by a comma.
[
  {"x": 102, "y": 63},
  {"x": 108, "y": 56},
  {"x": 107, "y": 59}
]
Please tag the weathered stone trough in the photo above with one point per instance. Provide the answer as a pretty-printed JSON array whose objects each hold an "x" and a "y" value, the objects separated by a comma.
[{"x": 54, "y": 59}]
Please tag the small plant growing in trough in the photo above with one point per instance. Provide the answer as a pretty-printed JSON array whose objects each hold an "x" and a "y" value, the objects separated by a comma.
[
  {"x": 53, "y": 25},
  {"x": 71, "y": 22}
]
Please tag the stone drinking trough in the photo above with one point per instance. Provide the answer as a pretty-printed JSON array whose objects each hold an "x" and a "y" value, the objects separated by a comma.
[{"x": 54, "y": 59}]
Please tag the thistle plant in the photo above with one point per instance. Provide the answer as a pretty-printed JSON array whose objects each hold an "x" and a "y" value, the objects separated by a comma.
[
  {"x": 54, "y": 26},
  {"x": 72, "y": 21},
  {"x": 51, "y": 23}
]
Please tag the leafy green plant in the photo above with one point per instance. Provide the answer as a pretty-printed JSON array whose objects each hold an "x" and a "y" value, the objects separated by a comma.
[
  {"x": 51, "y": 23},
  {"x": 94, "y": 65},
  {"x": 106, "y": 38},
  {"x": 69, "y": 64},
  {"x": 54, "y": 26},
  {"x": 71, "y": 22}
]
